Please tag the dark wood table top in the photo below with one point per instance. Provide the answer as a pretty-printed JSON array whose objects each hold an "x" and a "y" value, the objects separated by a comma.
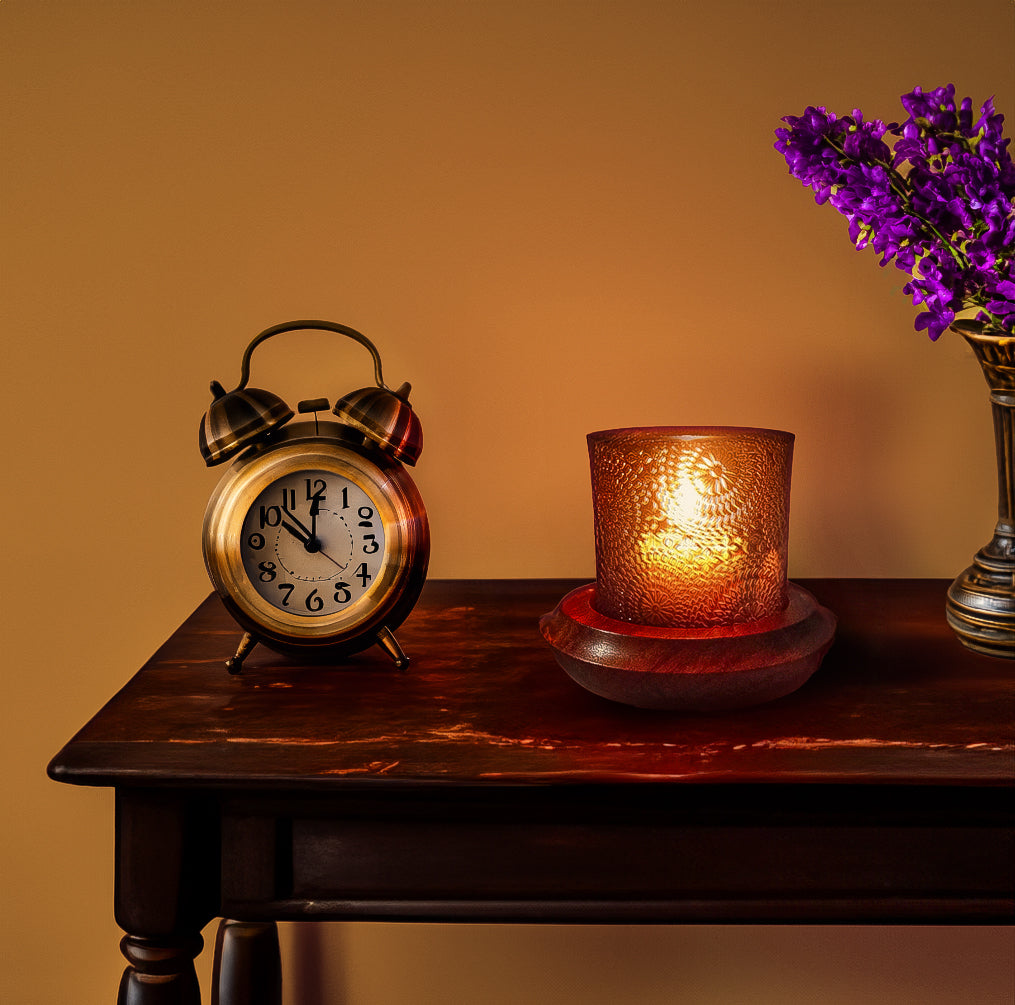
[{"x": 897, "y": 701}]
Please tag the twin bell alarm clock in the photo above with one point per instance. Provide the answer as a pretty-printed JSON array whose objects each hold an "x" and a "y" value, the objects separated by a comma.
[{"x": 316, "y": 538}]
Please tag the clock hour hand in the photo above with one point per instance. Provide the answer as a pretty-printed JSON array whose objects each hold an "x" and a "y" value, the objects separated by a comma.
[
  {"x": 301, "y": 535},
  {"x": 308, "y": 538}
]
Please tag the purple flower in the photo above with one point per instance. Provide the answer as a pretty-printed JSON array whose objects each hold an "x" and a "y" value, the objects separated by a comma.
[
  {"x": 936, "y": 110},
  {"x": 939, "y": 202},
  {"x": 934, "y": 287}
]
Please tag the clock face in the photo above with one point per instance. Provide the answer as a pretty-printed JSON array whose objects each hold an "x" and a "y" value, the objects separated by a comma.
[{"x": 313, "y": 543}]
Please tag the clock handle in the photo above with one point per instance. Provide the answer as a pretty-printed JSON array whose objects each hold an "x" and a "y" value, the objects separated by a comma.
[{"x": 330, "y": 326}]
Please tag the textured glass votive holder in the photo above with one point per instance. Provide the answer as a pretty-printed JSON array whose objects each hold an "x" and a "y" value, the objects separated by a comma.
[
  {"x": 691, "y": 524},
  {"x": 691, "y": 609}
]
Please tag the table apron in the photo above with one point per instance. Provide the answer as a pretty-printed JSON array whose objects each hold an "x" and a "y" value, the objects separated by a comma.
[{"x": 502, "y": 869}]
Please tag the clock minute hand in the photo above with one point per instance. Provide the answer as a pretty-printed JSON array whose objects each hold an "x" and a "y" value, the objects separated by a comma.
[
  {"x": 308, "y": 538},
  {"x": 315, "y": 508}
]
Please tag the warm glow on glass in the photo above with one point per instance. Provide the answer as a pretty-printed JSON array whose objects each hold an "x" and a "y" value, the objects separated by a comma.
[{"x": 692, "y": 524}]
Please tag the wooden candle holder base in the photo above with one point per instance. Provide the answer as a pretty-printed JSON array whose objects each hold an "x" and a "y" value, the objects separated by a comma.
[{"x": 700, "y": 670}]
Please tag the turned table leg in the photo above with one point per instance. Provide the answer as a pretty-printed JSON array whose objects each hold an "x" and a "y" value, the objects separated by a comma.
[
  {"x": 166, "y": 890},
  {"x": 160, "y": 972},
  {"x": 248, "y": 964}
]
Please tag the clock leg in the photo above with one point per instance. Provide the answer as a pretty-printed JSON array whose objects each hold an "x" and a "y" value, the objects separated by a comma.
[
  {"x": 248, "y": 965},
  {"x": 235, "y": 663},
  {"x": 387, "y": 641}
]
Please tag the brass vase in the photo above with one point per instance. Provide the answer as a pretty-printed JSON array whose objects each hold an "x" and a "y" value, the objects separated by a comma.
[{"x": 981, "y": 601}]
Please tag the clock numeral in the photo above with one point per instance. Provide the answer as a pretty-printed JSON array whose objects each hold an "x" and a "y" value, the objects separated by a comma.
[
  {"x": 366, "y": 516},
  {"x": 314, "y": 601},
  {"x": 256, "y": 541},
  {"x": 342, "y": 594},
  {"x": 267, "y": 571},
  {"x": 271, "y": 516},
  {"x": 288, "y": 587},
  {"x": 289, "y": 500},
  {"x": 317, "y": 490},
  {"x": 370, "y": 545},
  {"x": 362, "y": 575}
]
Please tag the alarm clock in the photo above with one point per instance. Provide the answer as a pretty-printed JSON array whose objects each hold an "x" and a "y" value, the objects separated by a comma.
[{"x": 315, "y": 538}]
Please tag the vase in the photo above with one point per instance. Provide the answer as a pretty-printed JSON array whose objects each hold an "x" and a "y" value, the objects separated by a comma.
[{"x": 981, "y": 601}]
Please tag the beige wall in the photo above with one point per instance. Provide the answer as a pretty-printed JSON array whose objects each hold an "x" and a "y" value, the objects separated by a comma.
[{"x": 552, "y": 217}]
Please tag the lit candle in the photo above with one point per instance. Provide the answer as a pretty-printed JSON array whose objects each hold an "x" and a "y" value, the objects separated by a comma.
[{"x": 691, "y": 523}]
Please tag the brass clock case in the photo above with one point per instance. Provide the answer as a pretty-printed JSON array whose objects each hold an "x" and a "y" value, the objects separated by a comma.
[{"x": 319, "y": 447}]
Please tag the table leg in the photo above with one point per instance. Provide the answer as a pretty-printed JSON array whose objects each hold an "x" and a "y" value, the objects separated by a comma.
[
  {"x": 248, "y": 964},
  {"x": 166, "y": 885},
  {"x": 160, "y": 972}
]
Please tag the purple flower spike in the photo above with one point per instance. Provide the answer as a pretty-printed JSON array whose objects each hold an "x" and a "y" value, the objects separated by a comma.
[{"x": 939, "y": 202}]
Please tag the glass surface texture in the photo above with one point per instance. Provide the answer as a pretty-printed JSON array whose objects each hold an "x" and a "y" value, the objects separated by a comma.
[{"x": 691, "y": 524}]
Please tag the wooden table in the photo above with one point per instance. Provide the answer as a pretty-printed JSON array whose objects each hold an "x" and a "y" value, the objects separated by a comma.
[{"x": 483, "y": 784}]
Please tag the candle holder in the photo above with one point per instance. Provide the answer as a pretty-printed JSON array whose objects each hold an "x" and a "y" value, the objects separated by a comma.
[{"x": 691, "y": 608}]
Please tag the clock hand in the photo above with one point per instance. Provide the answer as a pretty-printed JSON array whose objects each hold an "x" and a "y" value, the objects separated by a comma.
[
  {"x": 335, "y": 561},
  {"x": 296, "y": 520},
  {"x": 302, "y": 535},
  {"x": 315, "y": 508},
  {"x": 308, "y": 538},
  {"x": 312, "y": 544}
]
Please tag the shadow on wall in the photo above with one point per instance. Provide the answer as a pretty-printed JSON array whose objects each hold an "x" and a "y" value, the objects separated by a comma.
[
  {"x": 388, "y": 964},
  {"x": 854, "y": 514},
  {"x": 313, "y": 964},
  {"x": 893, "y": 469}
]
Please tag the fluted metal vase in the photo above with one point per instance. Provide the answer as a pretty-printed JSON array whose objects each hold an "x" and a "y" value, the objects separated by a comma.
[{"x": 981, "y": 601}]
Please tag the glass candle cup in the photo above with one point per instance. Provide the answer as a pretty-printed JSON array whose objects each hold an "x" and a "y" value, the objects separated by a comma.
[{"x": 691, "y": 524}]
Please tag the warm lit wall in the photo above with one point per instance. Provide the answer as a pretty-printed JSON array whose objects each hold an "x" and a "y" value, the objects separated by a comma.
[{"x": 552, "y": 216}]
